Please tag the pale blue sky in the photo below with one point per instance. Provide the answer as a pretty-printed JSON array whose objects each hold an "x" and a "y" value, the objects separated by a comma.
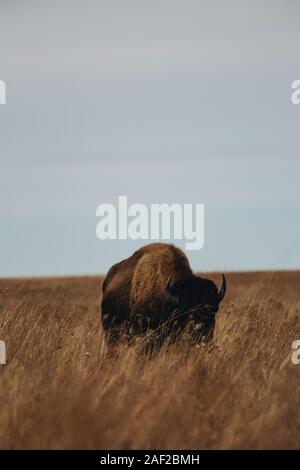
[{"x": 162, "y": 101}]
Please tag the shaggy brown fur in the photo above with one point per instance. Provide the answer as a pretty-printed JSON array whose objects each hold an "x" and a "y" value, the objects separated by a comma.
[
  {"x": 151, "y": 274},
  {"x": 156, "y": 287}
]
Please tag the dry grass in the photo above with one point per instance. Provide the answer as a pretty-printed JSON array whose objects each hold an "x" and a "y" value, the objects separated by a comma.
[{"x": 61, "y": 388}]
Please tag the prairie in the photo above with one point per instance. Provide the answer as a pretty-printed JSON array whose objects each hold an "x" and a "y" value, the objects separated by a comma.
[{"x": 62, "y": 388}]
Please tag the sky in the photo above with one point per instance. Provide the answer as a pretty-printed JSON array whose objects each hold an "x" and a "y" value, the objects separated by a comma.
[{"x": 163, "y": 101}]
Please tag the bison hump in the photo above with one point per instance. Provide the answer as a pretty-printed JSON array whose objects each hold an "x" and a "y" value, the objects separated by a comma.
[{"x": 152, "y": 272}]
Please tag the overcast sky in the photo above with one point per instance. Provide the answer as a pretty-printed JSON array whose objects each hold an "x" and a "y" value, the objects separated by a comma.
[{"x": 164, "y": 101}]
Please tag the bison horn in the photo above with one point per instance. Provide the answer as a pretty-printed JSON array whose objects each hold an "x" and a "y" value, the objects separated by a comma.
[
  {"x": 168, "y": 286},
  {"x": 222, "y": 290}
]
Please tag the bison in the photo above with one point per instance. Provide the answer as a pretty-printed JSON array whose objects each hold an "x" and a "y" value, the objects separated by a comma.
[{"x": 156, "y": 290}]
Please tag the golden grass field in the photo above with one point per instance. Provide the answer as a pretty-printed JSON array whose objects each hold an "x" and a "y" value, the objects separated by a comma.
[{"x": 62, "y": 389}]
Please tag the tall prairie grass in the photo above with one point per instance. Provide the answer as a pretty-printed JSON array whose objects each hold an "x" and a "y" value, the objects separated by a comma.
[{"x": 63, "y": 388}]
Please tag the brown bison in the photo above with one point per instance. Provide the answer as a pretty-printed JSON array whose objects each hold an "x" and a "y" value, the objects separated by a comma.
[{"x": 155, "y": 289}]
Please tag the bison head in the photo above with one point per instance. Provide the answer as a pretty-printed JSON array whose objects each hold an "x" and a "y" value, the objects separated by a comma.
[{"x": 197, "y": 301}]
